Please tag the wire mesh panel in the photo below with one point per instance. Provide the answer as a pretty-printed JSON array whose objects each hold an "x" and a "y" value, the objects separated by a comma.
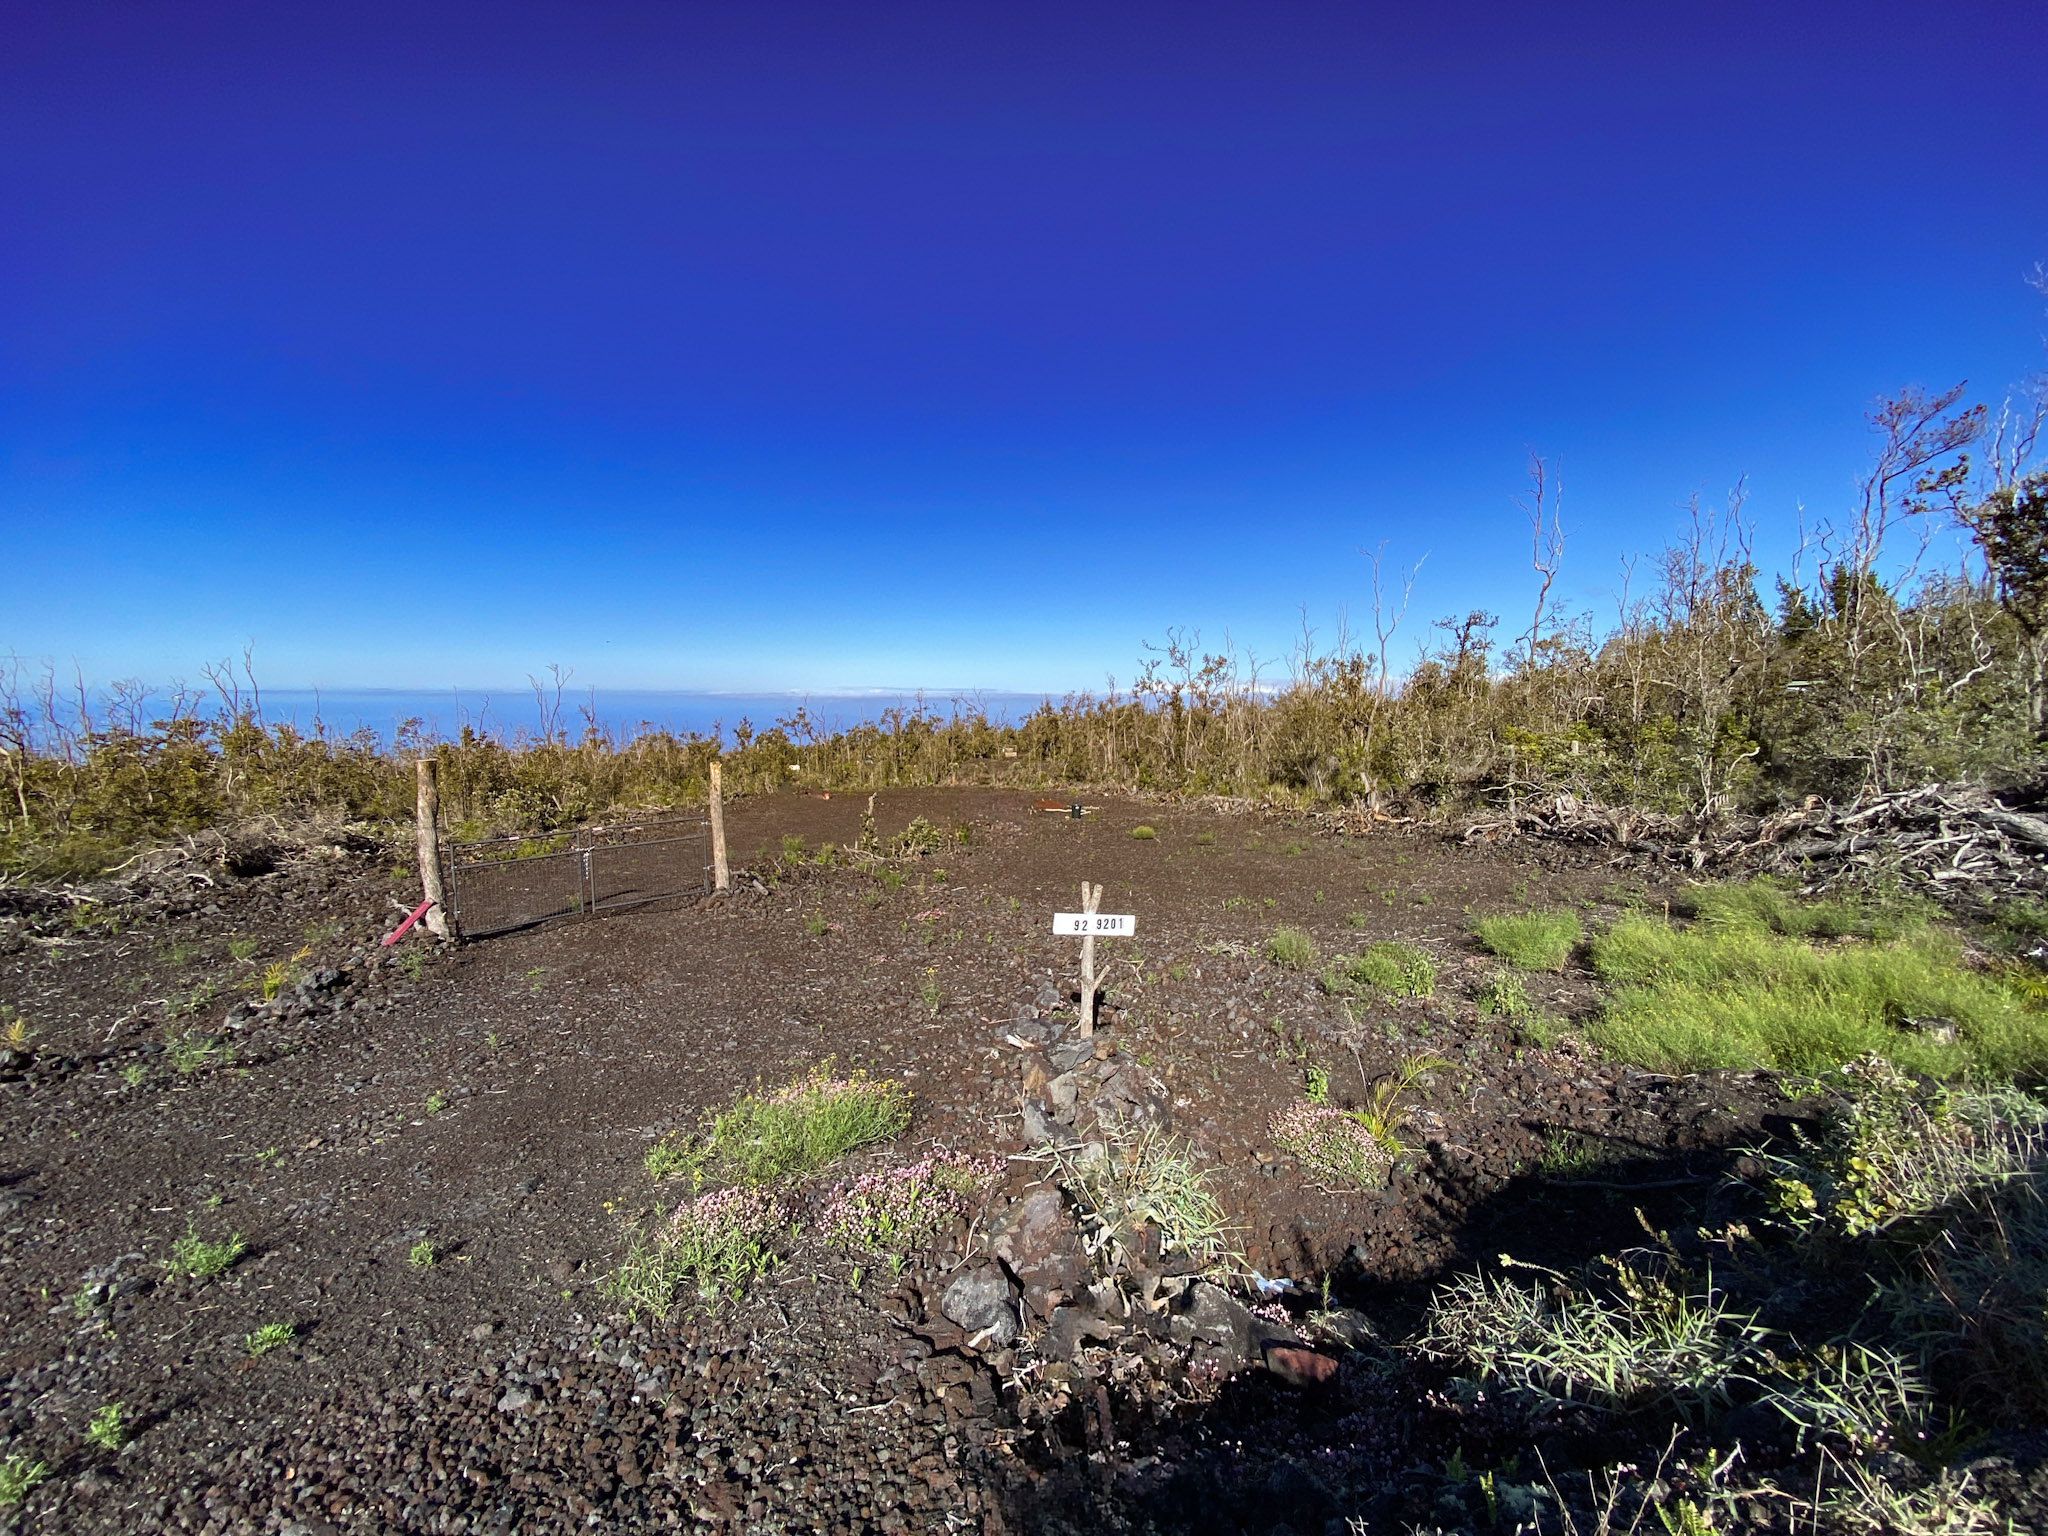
[
  {"x": 514, "y": 882},
  {"x": 511, "y": 883},
  {"x": 626, "y": 872}
]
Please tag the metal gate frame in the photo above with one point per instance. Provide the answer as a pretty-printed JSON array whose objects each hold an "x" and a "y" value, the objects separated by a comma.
[{"x": 584, "y": 852}]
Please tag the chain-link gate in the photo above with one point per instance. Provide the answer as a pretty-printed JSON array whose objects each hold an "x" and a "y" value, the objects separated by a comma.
[{"x": 502, "y": 883}]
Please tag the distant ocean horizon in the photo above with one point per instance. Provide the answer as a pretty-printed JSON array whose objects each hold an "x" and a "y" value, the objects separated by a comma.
[{"x": 512, "y": 712}]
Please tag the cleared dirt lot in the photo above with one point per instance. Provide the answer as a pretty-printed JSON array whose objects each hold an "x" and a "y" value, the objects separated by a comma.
[{"x": 497, "y": 1104}]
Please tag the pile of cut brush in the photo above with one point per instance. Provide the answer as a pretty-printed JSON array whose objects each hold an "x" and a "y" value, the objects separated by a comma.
[{"x": 1950, "y": 837}]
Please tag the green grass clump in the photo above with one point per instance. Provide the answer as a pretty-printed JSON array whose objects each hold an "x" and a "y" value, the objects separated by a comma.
[
  {"x": 1393, "y": 967},
  {"x": 18, "y": 1477},
  {"x": 791, "y": 1132},
  {"x": 712, "y": 1248},
  {"x": 1765, "y": 905},
  {"x": 1144, "y": 834},
  {"x": 192, "y": 1255},
  {"x": 1535, "y": 941},
  {"x": 270, "y": 1336},
  {"x": 108, "y": 1427},
  {"x": 1504, "y": 997},
  {"x": 1291, "y": 948},
  {"x": 1741, "y": 994},
  {"x": 1396, "y": 967}
]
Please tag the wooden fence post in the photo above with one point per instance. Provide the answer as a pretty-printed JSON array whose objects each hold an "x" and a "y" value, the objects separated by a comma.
[
  {"x": 429, "y": 820},
  {"x": 1091, "y": 899},
  {"x": 721, "y": 876}
]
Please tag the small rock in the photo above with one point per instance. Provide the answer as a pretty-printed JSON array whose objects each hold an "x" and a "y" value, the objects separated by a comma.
[
  {"x": 979, "y": 1301},
  {"x": 1939, "y": 1030},
  {"x": 515, "y": 1398},
  {"x": 1062, "y": 1093},
  {"x": 1068, "y": 1327},
  {"x": 1069, "y": 1054},
  {"x": 1214, "y": 1316},
  {"x": 1038, "y": 1127},
  {"x": 1036, "y": 1241},
  {"x": 1048, "y": 996},
  {"x": 1299, "y": 1367}
]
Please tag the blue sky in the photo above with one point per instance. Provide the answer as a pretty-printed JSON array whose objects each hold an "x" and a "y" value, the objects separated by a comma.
[{"x": 779, "y": 346}]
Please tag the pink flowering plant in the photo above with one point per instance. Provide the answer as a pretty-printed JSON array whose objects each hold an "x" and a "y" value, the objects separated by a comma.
[
  {"x": 1333, "y": 1143},
  {"x": 896, "y": 1211},
  {"x": 712, "y": 1248}
]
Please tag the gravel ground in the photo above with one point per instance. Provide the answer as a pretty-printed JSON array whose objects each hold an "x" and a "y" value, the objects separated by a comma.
[{"x": 431, "y": 1153}]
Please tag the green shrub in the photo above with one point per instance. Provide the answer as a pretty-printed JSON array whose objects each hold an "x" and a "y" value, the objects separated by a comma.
[
  {"x": 1144, "y": 834},
  {"x": 108, "y": 1427},
  {"x": 270, "y": 1336},
  {"x": 919, "y": 838},
  {"x": 1535, "y": 941},
  {"x": 1743, "y": 995},
  {"x": 1291, "y": 949}
]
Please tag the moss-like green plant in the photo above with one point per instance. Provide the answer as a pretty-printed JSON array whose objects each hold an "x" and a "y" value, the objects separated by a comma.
[{"x": 19, "y": 1477}]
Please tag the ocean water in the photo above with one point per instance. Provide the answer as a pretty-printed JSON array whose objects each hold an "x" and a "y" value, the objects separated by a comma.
[{"x": 513, "y": 712}]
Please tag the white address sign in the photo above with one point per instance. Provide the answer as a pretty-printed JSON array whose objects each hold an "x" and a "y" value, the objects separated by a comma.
[{"x": 1101, "y": 925}]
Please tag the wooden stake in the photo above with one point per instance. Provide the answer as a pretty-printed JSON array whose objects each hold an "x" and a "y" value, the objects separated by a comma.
[
  {"x": 429, "y": 820},
  {"x": 721, "y": 877},
  {"x": 1091, "y": 898}
]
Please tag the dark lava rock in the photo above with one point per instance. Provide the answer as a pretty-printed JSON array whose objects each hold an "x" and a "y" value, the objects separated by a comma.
[{"x": 1037, "y": 1243}]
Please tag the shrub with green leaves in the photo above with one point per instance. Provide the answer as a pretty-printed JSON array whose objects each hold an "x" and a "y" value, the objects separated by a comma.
[
  {"x": 1144, "y": 834},
  {"x": 1291, "y": 949},
  {"x": 1135, "y": 1181},
  {"x": 1534, "y": 941},
  {"x": 919, "y": 839},
  {"x": 108, "y": 1427},
  {"x": 1504, "y": 997},
  {"x": 1744, "y": 995},
  {"x": 788, "y": 1133}
]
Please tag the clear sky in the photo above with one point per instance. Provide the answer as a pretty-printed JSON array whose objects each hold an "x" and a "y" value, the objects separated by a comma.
[{"x": 836, "y": 345}]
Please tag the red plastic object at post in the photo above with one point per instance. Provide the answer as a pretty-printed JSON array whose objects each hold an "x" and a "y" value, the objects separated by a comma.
[{"x": 405, "y": 927}]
